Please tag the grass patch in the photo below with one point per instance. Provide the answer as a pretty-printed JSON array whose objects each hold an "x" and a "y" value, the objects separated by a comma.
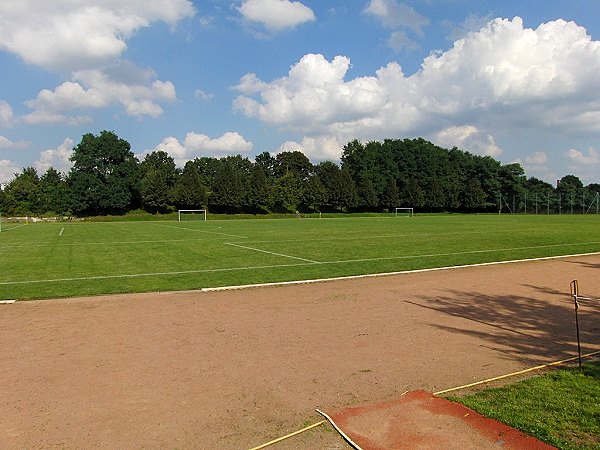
[
  {"x": 45, "y": 260},
  {"x": 561, "y": 407}
]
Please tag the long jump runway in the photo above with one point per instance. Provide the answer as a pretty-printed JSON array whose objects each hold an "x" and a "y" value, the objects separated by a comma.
[{"x": 234, "y": 369}]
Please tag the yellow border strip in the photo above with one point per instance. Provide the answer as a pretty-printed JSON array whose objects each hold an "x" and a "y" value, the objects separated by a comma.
[
  {"x": 275, "y": 441},
  {"x": 489, "y": 380}
]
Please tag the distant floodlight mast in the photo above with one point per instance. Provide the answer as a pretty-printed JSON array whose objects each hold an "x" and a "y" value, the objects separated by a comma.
[
  {"x": 408, "y": 212},
  {"x": 192, "y": 213}
]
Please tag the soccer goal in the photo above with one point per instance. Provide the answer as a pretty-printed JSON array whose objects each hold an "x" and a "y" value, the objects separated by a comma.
[
  {"x": 191, "y": 214},
  {"x": 404, "y": 212}
]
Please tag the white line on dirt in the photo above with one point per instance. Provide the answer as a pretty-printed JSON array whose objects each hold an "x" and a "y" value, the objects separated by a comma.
[
  {"x": 271, "y": 253},
  {"x": 6, "y": 302}
]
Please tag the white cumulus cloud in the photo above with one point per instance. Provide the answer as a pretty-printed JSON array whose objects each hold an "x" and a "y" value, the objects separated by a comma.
[
  {"x": 315, "y": 148},
  {"x": 138, "y": 94},
  {"x": 196, "y": 145},
  {"x": 8, "y": 169},
  {"x": 57, "y": 158},
  {"x": 6, "y": 144},
  {"x": 499, "y": 79},
  {"x": 6, "y": 114},
  {"x": 76, "y": 34},
  {"x": 579, "y": 158},
  {"x": 468, "y": 138},
  {"x": 394, "y": 14},
  {"x": 276, "y": 15}
]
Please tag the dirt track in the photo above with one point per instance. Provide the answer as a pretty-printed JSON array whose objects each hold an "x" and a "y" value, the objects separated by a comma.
[{"x": 235, "y": 369}]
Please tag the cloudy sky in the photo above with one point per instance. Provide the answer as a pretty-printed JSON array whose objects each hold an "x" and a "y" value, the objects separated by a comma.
[{"x": 516, "y": 80}]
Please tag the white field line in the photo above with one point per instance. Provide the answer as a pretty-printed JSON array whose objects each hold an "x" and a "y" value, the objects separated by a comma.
[
  {"x": 61, "y": 232},
  {"x": 6, "y": 302},
  {"x": 4, "y": 229},
  {"x": 470, "y": 252},
  {"x": 199, "y": 231},
  {"x": 402, "y": 272},
  {"x": 106, "y": 243},
  {"x": 274, "y": 266},
  {"x": 272, "y": 253},
  {"x": 150, "y": 274},
  {"x": 361, "y": 237}
]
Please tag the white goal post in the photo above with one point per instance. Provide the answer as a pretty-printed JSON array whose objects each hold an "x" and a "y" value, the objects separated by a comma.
[
  {"x": 408, "y": 212},
  {"x": 194, "y": 213}
]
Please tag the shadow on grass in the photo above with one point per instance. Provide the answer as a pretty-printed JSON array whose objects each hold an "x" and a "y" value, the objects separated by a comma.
[{"x": 529, "y": 329}]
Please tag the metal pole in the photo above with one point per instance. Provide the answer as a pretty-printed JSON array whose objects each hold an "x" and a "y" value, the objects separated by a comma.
[{"x": 575, "y": 294}]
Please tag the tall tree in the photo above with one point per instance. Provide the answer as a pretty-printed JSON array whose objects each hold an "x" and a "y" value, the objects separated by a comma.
[
  {"x": 54, "y": 192},
  {"x": 188, "y": 191},
  {"x": 162, "y": 162},
  {"x": 347, "y": 189},
  {"x": 367, "y": 196},
  {"x": 267, "y": 163},
  {"x": 475, "y": 196},
  {"x": 287, "y": 192},
  {"x": 314, "y": 194},
  {"x": 391, "y": 195},
  {"x": 259, "y": 189},
  {"x": 22, "y": 193},
  {"x": 295, "y": 162},
  {"x": 105, "y": 175},
  {"x": 329, "y": 175},
  {"x": 228, "y": 188}
]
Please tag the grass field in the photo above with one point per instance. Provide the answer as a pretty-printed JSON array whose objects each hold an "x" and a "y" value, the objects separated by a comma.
[
  {"x": 561, "y": 407},
  {"x": 86, "y": 258}
]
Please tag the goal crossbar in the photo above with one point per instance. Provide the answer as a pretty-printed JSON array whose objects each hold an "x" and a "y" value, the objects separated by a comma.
[
  {"x": 191, "y": 211},
  {"x": 409, "y": 212}
]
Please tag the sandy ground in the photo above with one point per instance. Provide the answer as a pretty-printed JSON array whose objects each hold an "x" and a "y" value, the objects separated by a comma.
[{"x": 234, "y": 369}]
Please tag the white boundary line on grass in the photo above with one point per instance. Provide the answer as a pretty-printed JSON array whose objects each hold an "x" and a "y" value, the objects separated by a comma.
[
  {"x": 385, "y": 274},
  {"x": 199, "y": 231},
  {"x": 274, "y": 266},
  {"x": 271, "y": 253},
  {"x": 4, "y": 230}
]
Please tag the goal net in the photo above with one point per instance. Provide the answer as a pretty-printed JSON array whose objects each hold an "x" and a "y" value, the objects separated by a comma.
[
  {"x": 191, "y": 214},
  {"x": 403, "y": 212}
]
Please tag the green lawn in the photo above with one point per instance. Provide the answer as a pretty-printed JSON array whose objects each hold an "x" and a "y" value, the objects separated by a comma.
[
  {"x": 87, "y": 258},
  {"x": 561, "y": 408}
]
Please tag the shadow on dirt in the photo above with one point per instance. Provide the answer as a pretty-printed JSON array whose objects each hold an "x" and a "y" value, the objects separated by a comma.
[{"x": 520, "y": 327}]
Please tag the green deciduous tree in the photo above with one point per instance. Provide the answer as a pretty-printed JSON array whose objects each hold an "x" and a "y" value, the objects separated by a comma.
[
  {"x": 391, "y": 195},
  {"x": 105, "y": 176},
  {"x": 227, "y": 194},
  {"x": 54, "y": 192},
  {"x": 188, "y": 191}
]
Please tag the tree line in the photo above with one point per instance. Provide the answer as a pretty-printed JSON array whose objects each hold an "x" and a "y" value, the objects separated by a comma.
[{"x": 107, "y": 178}]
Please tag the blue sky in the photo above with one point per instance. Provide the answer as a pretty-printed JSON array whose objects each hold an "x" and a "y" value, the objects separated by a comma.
[{"x": 514, "y": 80}]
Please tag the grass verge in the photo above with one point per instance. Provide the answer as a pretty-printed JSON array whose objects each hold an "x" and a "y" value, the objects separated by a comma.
[{"x": 561, "y": 407}]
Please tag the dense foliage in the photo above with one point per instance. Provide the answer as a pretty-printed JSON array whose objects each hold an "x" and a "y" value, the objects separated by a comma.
[{"x": 106, "y": 178}]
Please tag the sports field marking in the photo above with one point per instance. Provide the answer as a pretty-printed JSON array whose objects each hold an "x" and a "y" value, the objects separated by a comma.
[
  {"x": 152, "y": 274},
  {"x": 61, "y": 232},
  {"x": 4, "y": 229},
  {"x": 6, "y": 302},
  {"x": 469, "y": 252},
  {"x": 105, "y": 243},
  {"x": 385, "y": 274},
  {"x": 199, "y": 231},
  {"x": 360, "y": 236},
  {"x": 275, "y": 266},
  {"x": 271, "y": 253}
]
